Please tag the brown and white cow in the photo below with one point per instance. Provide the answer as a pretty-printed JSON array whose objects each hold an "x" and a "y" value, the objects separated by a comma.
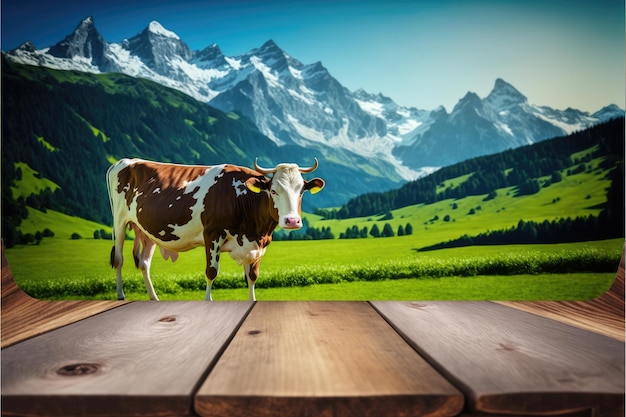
[{"x": 225, "y": 208}]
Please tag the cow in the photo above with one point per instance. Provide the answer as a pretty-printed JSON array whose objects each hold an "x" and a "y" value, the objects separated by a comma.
[{"x": 225, "y": 208}]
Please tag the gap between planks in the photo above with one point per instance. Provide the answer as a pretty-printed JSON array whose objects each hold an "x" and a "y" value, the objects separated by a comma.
[
  {"x": 323, "y": 359},
  {"x": 512, "y": 362},
  {"x": 138, "y": 359}
]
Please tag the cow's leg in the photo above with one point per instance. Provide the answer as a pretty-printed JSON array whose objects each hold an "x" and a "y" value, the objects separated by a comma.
[
  {"x": 117, "y": 257},
  {"x": 144, "y": 266},
  {"x": 213, "y": 245},
  {"x": 143, "y": 250},
  {"x": 208, "y": 296},
  {"x": 252, "y": 273}
]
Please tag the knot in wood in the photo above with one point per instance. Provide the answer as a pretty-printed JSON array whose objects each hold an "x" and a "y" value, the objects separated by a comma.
[
  {"x": 254, "y": 332},
  {"x": 167, "y": 319},
  {"x": 78, "y": 369},
  {"x": 507, "y": 347}
]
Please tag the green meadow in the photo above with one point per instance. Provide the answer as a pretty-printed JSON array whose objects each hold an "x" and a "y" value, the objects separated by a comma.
[{"x": 367, "y": 269}]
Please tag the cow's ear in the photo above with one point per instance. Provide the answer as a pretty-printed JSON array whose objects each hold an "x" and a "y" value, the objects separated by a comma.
[
  {"x": 315, "y": 185},
  {"x": 256, "y": 185}
]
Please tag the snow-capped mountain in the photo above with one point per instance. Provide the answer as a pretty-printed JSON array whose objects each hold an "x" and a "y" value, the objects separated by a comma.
[
  {"x": 85, "y": 42},
  {"x": 502, "y": 120},
  {"x": 297, "y": 104}
]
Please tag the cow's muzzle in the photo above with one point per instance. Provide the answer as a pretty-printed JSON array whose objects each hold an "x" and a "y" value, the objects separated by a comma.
[{"x": 291, "y": 222}]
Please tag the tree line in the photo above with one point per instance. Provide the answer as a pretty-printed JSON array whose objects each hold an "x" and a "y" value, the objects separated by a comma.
[
  {"x": 563, "y": 230},
  {"x": 607, "y": 225},
  {"x": 354, "y": 232}
]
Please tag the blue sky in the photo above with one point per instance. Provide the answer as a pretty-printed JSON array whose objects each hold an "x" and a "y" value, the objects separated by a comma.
[{"x": 420, "y": 53}]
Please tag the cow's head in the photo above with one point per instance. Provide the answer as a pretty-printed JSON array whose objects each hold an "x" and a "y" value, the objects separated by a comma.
[{"x": 286, "y": 188}]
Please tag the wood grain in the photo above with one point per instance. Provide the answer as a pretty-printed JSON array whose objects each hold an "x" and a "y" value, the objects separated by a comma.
[
  {"x": 322, "y": 359},
  {"x": 512, "y": 362},
  {"x": 138, "y": 359},
  {"x": 24, "y": 317},
  {"x": 604, "y": 315}
]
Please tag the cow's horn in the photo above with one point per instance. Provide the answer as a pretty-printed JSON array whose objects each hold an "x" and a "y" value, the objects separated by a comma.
[
  {"x": 311, "y": 169},
  {"x": 263, "y": 171}
]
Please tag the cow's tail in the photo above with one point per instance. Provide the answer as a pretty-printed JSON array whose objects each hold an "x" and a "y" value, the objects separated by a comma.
[
  {"x": 113, "y": 261},
  {"x": 109, "y": 178}
]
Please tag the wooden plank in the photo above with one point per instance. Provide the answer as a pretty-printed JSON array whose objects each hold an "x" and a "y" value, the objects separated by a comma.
[
  {"x": 138, "y": 359},
  {"x": 23, "y": 317},
  {"x": 512, "y": 362},
  {"x": 322, "y": 359},
  {"x": 604, "y": 315}
]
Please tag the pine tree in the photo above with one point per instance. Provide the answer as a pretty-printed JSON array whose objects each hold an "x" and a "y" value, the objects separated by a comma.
[{"x": 387, "y": 231}]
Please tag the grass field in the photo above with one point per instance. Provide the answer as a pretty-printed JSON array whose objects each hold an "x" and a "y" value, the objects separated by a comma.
[
  {"x": 30, "y": 182},
  {"x": 325, "y": 270},
  {"x": 576, "y": 286}
]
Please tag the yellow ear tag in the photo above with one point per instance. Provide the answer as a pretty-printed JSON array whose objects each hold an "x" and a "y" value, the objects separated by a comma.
[
  {"x": 253, "y": 188},
  {"x": 315, "y": 190}
]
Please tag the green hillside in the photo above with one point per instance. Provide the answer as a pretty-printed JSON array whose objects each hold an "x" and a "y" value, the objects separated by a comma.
[
  {"x": 62, "y": 225},
  {"x": 28, "y": 181},
  {"x": 576, "y": 195}
]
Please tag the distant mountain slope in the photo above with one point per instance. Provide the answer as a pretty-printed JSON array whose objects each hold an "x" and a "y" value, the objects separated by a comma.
[
  {"x": 303, "y": 104},
  {"x": 526, "y": 168},
  {"x": 502, "y": 120}
]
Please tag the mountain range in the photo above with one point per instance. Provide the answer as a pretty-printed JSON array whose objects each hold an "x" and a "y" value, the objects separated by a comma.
[{"x": 304, "y": 106}]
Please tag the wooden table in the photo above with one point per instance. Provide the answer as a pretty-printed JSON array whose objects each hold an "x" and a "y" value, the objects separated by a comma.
[{"x": 312, "y": 358}]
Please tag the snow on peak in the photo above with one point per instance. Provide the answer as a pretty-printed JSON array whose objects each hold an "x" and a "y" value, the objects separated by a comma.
[
  {"x": 504, "y": 95},
  {"x": 27, "y": 46},
  {"x": 469, "y": 100},
  {"x": 609, "y": 112},
  {"x": 501, "y": 84},
  {"x": 270, "y": 44},
  {"x": 156, "y": 28},
  {"x": 271, "y": 54},
  {"x": 315, "y": 69},
  {"x": 86, "y": 26}
]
